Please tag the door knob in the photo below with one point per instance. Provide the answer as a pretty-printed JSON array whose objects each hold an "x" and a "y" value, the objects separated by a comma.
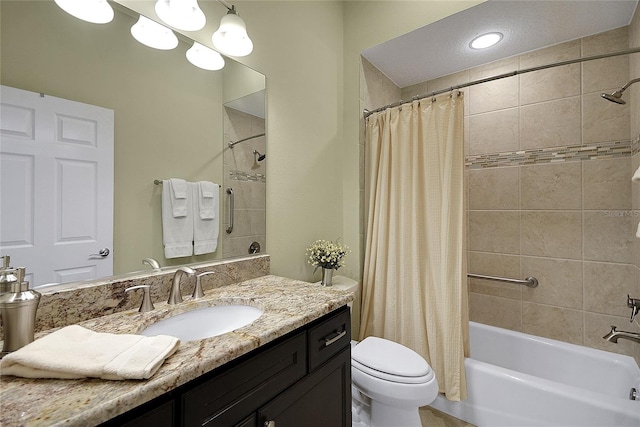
[{"x": 104, "y": 252}]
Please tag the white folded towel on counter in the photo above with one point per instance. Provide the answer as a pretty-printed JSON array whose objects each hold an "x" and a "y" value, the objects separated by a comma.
[
  {"x": 208, "y": 197},
  {"x": 636, "y": 176},
  {"x": 77, "y": 352},
  {"x": 177, "y": 231},
  {"x": 205, "y": 229},
  {"x": 178, "y": 199}
]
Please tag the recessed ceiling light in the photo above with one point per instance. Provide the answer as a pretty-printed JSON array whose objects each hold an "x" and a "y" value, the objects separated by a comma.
[{"x": 486, "y": 40}]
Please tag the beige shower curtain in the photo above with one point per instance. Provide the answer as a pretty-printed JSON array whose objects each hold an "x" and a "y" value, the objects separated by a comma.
[{"x": 414, "y": 282}]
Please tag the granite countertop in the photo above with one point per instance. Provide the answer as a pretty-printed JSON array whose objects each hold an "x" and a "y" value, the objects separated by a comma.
[{"x": 288, "y": 304}]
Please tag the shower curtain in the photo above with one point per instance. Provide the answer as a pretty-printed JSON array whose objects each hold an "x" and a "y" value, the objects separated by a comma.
[{"x": 415, "y": 281}]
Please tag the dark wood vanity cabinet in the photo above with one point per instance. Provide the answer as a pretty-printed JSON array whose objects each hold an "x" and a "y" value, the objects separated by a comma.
[{"x": 301, "y": 379}]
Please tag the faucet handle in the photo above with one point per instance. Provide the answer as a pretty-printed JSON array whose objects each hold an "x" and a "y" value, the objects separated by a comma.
[
  {"x": 634, "y": 305},
  {"x": 146, "y": 305},
  {"x": 197, "y": 291}
]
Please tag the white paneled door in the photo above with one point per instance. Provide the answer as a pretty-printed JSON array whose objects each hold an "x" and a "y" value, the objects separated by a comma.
[{"x": 56, "y": 187}]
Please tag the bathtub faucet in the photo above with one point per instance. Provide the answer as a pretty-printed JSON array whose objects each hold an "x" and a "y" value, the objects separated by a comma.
[{"x": 614, "y": 335}]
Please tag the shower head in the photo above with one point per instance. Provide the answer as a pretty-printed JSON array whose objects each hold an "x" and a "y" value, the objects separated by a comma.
[
  {"x": 261, "y": 157},
  {"x": 614, "y": 97},
  {"x": 617, "y": 95}
]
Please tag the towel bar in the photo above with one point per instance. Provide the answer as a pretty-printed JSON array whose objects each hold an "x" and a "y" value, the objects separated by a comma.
[{"x": 159, "y": 182}]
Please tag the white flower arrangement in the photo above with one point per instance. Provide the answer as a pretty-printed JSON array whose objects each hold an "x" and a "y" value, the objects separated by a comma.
[{"x": 326, "y": 254}]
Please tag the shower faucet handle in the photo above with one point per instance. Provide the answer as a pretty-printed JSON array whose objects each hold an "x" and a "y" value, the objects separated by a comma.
[{"x": 634, "y": 305}]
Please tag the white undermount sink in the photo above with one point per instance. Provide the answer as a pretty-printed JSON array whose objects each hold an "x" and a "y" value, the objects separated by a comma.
[{"x": 205, "y": 322}]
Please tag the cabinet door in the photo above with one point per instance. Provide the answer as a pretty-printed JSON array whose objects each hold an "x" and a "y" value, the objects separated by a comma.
[
  {"x": 232, "y": 395},
  {"x": 321, "y": 399}
]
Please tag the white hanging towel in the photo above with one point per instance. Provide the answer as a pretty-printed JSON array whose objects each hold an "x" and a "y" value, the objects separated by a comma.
[
  {"x": 206, "y": 224},
  {"x": 177, "y": 231},
  {"x": 208, "y": 199},
  {"x": 179, "y": 198},
  {"x": 78, "y": 352}
]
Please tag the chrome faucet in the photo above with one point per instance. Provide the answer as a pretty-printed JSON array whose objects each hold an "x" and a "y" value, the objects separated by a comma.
[
  {"x": 175, "y": 297},
  {"x": 614, "y": 335},
  {"x": 152, "y": 262}
]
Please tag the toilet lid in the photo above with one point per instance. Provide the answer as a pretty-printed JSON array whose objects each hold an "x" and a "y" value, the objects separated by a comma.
[{"x": 391, "y": 361}]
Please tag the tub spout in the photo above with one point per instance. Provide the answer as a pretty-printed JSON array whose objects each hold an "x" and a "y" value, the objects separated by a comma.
[{"x": 614, "y": 335}]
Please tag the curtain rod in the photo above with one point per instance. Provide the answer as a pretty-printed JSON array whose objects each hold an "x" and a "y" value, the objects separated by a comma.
[
  {"x": 231, "y": 144},
  {"x": 367, "y": 113}
]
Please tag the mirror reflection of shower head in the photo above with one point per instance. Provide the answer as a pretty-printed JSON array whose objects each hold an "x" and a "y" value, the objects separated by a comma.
[
  {"x": 261, "y": 157},
  {"x": 617, "y": 95}
]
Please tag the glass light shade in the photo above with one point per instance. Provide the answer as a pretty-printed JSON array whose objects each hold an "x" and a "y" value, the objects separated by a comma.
[
  {"x": 181, "y": 14},
  {"x": 231, "y": 38},
  {"x": 485, "y": 40},
  {"x": 205, "y": 58},
  {"x": 94, "y": 11},
  {"x": 154, "y": 35}
]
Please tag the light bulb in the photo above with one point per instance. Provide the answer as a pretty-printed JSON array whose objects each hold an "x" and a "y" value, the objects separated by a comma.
[
  {"x": 154, "y": 35},
  {"x": 94, "y": 11},
  {"x": 232, "y": 38},
  {"x": 181, "y": 14},
  {"x": 205, "y": 58}
]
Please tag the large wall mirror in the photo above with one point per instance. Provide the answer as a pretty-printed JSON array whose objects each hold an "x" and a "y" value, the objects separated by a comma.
[{"x": 171, "y": 120}]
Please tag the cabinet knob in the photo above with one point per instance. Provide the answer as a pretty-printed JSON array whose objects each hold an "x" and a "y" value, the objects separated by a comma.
[{"x": 269, "y": 424}]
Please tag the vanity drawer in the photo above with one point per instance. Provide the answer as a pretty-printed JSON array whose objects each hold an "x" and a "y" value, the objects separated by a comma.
[
  {"x": 329, "y": 337},
  {"x": 228, "y": 397}
]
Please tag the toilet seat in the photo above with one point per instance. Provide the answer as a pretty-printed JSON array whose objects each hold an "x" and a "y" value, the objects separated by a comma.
[
  {"x": 390, "y": 361},
  {"x": 389, "y": 377}
]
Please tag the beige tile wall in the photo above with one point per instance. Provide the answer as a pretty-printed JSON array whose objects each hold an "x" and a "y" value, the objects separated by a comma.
[
  {"x": 570, "y": 224},
  {"x": 250, "y": 213}
]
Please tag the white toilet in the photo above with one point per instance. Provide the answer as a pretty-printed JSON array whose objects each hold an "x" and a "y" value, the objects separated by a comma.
[{"x": 389, "y": 381}]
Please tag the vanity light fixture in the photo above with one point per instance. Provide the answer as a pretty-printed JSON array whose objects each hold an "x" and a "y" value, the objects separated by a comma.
[
  {"x": 94, "y": 11},
  {"x": 154, "y": 35},
  {"x": 181, "y": 14},
  {"x": 485, "y": 40},
  {"x": 205, "y": 58},
  {"x": 232, "y": 38}
]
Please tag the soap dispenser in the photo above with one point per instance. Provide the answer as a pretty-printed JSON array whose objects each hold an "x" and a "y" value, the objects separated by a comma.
[
  {"x": 7, "y": 275},
  {"x": 18, "y": 308}
]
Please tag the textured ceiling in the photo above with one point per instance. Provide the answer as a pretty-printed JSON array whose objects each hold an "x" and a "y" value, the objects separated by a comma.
[{"x": 442, "y": 47}]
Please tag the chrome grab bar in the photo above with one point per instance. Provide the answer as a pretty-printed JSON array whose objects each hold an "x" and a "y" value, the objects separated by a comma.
[
  {"x": 530, "y": 282},
  {"x": 231, "y": 209}
]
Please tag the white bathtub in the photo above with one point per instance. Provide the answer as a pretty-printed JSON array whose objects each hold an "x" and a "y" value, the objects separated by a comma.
[{"x": 515, "y": 379}]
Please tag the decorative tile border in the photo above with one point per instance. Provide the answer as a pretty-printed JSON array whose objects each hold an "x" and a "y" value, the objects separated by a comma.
[
  {"x": 246, "y": 176},
  {"x": 570, "y": 153}
]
